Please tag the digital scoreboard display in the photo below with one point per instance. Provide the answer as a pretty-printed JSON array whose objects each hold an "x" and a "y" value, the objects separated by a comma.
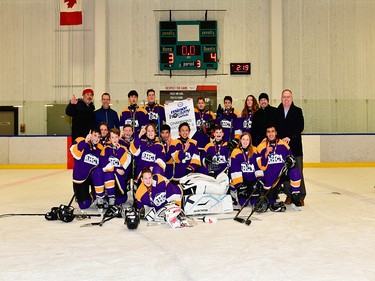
[{"x": 187, "y": 45}]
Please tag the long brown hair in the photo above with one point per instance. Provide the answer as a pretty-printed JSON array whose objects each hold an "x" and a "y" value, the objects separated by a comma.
[
  {"x": 249, "y": 149},
  {"x": 254, "y": 107}
]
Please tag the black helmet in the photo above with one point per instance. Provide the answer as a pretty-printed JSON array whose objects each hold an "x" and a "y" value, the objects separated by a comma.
[{"x": 131, "y": 218}]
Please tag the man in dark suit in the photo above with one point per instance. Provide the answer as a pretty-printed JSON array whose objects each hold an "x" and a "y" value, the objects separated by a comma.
[{"x": 290, "y": 124}]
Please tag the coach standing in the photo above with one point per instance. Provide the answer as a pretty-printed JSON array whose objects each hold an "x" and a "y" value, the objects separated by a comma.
[
  {"x": 82, "y": 113},
  {"x": 290, "y": 124}
]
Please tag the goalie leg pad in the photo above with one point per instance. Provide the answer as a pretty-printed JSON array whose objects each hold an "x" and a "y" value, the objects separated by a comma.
[{"x": 203, "y": 204}]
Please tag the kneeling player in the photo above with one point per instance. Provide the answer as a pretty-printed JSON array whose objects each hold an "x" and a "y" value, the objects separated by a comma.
[
  {"x": 155, "y": 191},
  {"x": 85, "y": 172},
  {"x": 273, "y": 153},
  {"x": 244, "y": 170}
]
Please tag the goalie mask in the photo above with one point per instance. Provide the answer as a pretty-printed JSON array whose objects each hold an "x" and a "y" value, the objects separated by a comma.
[
  {"x": 65, "y": 213},
  {"x": 131, "y": 218}
]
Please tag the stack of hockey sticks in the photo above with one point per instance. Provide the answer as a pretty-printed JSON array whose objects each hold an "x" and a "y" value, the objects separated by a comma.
[{"x": 262, "y": 199}]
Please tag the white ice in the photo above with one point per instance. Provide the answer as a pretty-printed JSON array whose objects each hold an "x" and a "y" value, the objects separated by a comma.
[{"x": 332, "y": 238}]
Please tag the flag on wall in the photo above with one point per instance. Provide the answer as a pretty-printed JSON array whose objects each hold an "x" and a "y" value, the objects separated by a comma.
[{"x": 70, "y": 12}]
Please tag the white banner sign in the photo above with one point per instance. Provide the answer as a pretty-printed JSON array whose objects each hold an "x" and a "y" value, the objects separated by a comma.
[{"x": 178, "y": 112}]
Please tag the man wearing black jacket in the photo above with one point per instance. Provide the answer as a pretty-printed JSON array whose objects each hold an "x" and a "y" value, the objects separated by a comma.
[
  {"x": 264, "y": 116},
  {"x": 290, "y": 124},
  {"x": 82, "y": 113}
]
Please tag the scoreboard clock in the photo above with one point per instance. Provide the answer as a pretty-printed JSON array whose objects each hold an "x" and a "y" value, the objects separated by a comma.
[
  {"x": 240, "y": 68},
  {"x": 188, "y": 45}
]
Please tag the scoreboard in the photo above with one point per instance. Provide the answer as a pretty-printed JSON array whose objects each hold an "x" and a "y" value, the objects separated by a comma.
[{"x": 188, "y": 45}]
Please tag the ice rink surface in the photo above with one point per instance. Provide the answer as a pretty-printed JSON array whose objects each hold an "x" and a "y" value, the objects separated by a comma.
[{"x": 332, "y": 238}]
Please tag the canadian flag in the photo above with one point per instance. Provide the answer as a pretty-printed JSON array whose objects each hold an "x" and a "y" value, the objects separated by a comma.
[{"x": 70, "y": 12}]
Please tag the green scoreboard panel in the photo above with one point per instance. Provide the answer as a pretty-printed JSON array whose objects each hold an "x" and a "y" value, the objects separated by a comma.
[{"x": 188, "y": 45}]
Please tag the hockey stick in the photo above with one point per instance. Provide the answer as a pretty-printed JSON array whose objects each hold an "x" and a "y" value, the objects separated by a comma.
[
  {"x": 263, "y": 196},
  {"x": 100, "y": 223},
  {"x": 241, "y": 220},
  {"x": 79, "y": 216}
]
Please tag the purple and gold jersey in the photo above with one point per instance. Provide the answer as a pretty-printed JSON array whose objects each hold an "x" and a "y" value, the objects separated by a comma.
[
  {"x": 246, "y": 123},
  {"x": 220, "y": 156},
  {"x": 184, "y": 159},
  {"x": 148, "y": 154},
  {"x": 273, "y": 164},
  {"x": 152, "y": 114},
  {"x": 86, "y": 158},
  {"x": 230, "y": 122},
  {"x": 243, "y": 167},
  {"x": 160, "y": 192},
  {"x": 203, "y": 120},
  {"x": 131, "y": 116}
]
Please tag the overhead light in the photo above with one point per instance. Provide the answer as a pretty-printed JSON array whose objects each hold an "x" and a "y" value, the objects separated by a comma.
[
  {"x": 18, "y": 106},
  {"x": 48, "y": 105}
]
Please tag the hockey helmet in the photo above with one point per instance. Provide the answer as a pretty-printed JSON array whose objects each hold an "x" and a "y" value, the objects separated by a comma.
[
  {"x": 131, "y": 218},
  {"x": 65, "y": 213}
]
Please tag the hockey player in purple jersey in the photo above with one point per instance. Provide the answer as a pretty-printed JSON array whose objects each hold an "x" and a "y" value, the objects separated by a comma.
[
  {"x": 114, "y": 161},
  {"x": 148, "y": 151},
  {"x": 204, "y": 119},
  {"x": 244, "y": 170},
  {"x": 86, "y": 154},
  {"x": 130, "y": 115},
  {"x": 155, "y": 191},
  {"x": 247, "y": 113},
  {"x": 152, "y": 112},
  {"x": 229, "y": 120},
  {"x": 273, "y": 154},
  {"x": 215, "y": 156},
  {"x": 167, "y": 142},
  {"x": 104, "y": 132},
  {"x": 126, "y": 136},
  {"x": 185, "y": 153}
]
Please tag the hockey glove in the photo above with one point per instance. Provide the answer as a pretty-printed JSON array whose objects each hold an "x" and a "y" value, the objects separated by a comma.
[
  {"x": 290, "y": 162},
  {"x": 208, "y": 160},
  {"x": 233, "y": 144},
  {"x": 243, "y": 191}
]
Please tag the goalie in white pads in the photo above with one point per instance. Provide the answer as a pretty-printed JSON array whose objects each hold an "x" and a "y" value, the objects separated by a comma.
[{"x": 206, "y": 195}]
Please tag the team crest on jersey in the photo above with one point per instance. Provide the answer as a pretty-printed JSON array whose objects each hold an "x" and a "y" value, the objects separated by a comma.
[
  {"x": 91, "y": 159},
  {"x": 160, "y": 199},
  {"x": 187, "y": 157},
  {"x": 201, "y": 122},
  {"x": 225, "y": 123},
  {"x": 247, "y": 168},
  {"x": 152, "y": 116},
  {"x": 148, "y": 156},
  {"x": 130, "y": 122},
  {"x": 114, "y": 161},
  {"x": 219, "y": 159},
  {"x": 275, "y": 159},
  {"x": 247, "y": 124}
]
